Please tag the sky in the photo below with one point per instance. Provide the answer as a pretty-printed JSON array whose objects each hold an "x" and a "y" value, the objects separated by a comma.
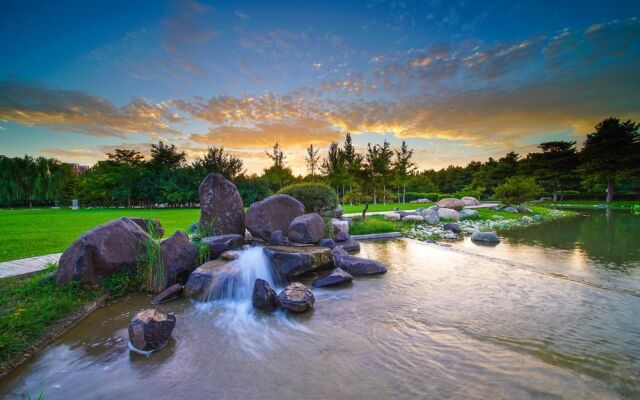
[{"x": 458, "y": 80}]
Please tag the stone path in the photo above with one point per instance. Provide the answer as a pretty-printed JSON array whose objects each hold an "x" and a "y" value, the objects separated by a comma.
[{"x": 26, "y": 266}]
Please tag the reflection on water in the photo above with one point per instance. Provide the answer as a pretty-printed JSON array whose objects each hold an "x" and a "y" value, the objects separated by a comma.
[{"x": 439, "y": 324}]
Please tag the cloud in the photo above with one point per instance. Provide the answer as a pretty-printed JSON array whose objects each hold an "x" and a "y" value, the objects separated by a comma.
[
  {"x": 188, "y": 25},
  {"x": 74, "y": 111}
]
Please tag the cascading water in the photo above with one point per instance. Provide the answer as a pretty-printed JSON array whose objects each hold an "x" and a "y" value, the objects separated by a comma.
[{"x": 230, "y": 303}]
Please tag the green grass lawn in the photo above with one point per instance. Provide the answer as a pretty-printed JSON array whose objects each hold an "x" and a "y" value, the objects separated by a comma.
[
  {"x": 348, "y": 209},
  {"x": 616, "y": 204},
  {"x": 35, "y": 232}
]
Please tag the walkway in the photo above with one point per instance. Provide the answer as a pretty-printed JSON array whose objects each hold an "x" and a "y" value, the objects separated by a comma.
[{"x": 25, "y": 266}]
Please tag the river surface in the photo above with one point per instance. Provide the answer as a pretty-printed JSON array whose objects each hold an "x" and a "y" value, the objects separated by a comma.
[{"x": 551, "y": 312}]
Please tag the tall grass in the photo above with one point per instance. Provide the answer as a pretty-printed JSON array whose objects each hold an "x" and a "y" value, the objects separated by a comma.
[{"x": 150, "y": 264}]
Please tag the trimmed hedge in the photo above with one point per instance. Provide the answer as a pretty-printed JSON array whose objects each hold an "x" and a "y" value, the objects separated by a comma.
[{"x": 316, "y": 197}]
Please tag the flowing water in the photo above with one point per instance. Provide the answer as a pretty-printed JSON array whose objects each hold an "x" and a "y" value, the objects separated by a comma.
[{"x": 545, "y": 314}]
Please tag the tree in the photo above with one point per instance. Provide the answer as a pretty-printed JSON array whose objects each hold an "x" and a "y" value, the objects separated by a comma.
[
  {"x": 493, "y": 173},
  {"x": 217, "y": 160},
  {"x": 277, "y": 156},
  {"x": 379, "y": 164},
  {"x": 165, "y": 157},
  {"x": 555, "y": 166},
  {"x": 312, "y": 158},
  {"x": 403, "y": 167},
  {"x": 128, "y": 157},
  {"x": 611, "y": 152},
  {"x": 516, "y": 190}
]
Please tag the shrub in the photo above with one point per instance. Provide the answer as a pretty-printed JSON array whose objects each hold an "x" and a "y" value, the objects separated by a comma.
[
  {"x": 316, "y": 197},
  {"x": 516, "y": 190},
  {"x": 469, "y": 191},
  {"x": 411, "y": 196}
]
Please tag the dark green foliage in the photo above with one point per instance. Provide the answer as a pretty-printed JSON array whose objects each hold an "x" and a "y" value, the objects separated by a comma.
[
  {"x": 316, "y": 197},
  {"x": 121, "y": 283},
  {"x": 516, "y": 190}
]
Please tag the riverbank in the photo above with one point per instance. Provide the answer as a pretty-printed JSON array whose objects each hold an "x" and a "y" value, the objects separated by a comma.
[{"x": 591, "y": 204}]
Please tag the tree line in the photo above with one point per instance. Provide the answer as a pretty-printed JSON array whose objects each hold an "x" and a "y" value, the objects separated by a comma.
[{"x": 607, "y": 162}]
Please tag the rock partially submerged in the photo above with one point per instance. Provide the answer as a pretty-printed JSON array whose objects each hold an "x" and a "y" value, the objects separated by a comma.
[
  {"x": 263, "y": 297},
  {"x": 487, "y": 237},
  {"x": 356, "y": 265},
  {"x": 169, "y": 293},
  {"x": 151, "y": 329},
  {"x": 336, "y": 277},
  {"x": 211, "y": 280},
  {"x": 291, "y": 262},
  {"x": 99, "y": 252},
  {"x": 296, "y": 297},
  {"x": 350, "y": 245},
  {"x": 306, "y": 228},
  {"x": 271, "y": 214},
  {"x": 221, "y": 207}
]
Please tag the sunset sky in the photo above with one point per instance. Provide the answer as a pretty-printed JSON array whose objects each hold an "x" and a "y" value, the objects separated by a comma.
[{"x": 459, "y": 81}]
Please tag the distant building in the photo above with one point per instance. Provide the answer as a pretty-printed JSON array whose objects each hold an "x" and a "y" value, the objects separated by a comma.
[{"x": 78, "y": 169}]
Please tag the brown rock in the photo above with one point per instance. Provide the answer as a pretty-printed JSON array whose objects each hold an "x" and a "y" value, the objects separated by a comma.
[
  {"x": 151, "y": 329},
  {"x": 296, "y": 297},
  {"x": 178, "y": 257},
  {"x": 453, "y": 203},
  {"x": 306, "y": 228},
  {"x": 221, "y": 207},
  {"x": 271, "y": 214}
]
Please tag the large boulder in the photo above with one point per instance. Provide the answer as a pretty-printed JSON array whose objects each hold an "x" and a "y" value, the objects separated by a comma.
[
  {"x": 221, "y": 207},
  {"x": 342, "y": 236},
  {"x": 263, "y": 297},
  {"x": 291, "y": 262},
  {"x": 452, "y": 203},
  {"x": 336, "y": 277},
  {"x": 487, "y": 237},
  {"x": 392, "y": 216},
  {"x": 430, "y": 215},
  {"x": 356, "y": 265},
  {"x": 151, "y": 329},
  {"x": 340, "y": 225},
  {"x": 413, "y": 218},
  {"x": 212, "y": 280},
  {"x": 448, "y": 213},
  {"x": 271, "y": 214},
  {"x": 221, "y": 243},
  {"x": 350, "y": 245},
  {"x": 178, "y": 256},
  {"x": 455, "y": 228},
  {"x": 470, "y": 201},
  {"x": 306, "y": 228},
  {"x": 468, "y": 213},
  {"x": 296, "y": 297},
  {"x": 102, "y": 251},
  {"x": 150, "y": 226}
]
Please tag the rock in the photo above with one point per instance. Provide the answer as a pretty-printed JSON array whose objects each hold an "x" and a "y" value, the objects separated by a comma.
[
  {"x": 490, "y": 237},
  {"x": 219, "y": 244},
  {"x": 340, "y": 225},
  {"x": 296, "y": 297},
  {"x": 350, "y": 246},
  {"x": 221, "y": 207},
  {"x": 193, "y": 228},
  {"x": 151, "y": 329},
  {"x": 263, "y": 297},
  {"x": 169, "y": 293},
  {"x": 467, "y": 213},
  {"x": 277, "y": 238},
  {"x": 291, "y": 262},
  {"x": 455, "y": 228},
  {"x": 470, "y": 230},
  {"x": 178, "y": 256},
  {"x": 336, "y": 277},
  {"x": 524, "y": 210},
  {"x": 413, "y": 218},
  {"x": 329, "y": 243},
  {"x": 342, "y": 236},
  {"x": 356, "y": 265},
  {"x": 431, "y": 218},
  {"x": 470, "y": 201},
  {"x": 421, "y": 201},
  {"x": 510, "y": 209},
  {"x": 392, "y": 216},
  {"x": 339, "y": 211},
  {"x": 405, "y": 213},
  {"x": 306, "y": 228},
  {"x": 453, "y": 203},
  {"x": 448, "y": 213},
  {"x": 211, "y": 280},
  {"x": 157, "y": 229},
  {"x": 449, "y": 236},
  {"x": 229, "y": 255},
  {"x": 526, "y": 219},
  {"x": 271, "y": 214},
  {"x": 537, "y": 217},
  {"x": 102, "y": 251}
]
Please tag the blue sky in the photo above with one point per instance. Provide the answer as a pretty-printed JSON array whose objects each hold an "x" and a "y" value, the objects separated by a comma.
[{"x": 459, "y": 81}]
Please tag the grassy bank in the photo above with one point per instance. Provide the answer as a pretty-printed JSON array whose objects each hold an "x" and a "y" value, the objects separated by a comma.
[
  {"x": 615, "y": 205},
  {"x": 28, "y": 308}
]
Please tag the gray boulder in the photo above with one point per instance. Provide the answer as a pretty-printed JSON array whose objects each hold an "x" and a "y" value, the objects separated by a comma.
[
  {"x": 277, "y": 238},
  {"x": 350, "y": 245},
  {"x": 221, "y": 243},
  {"x": 448, "y": 213},
  {"x": 342, "y": 236},
  {"x": 356, "y": 265},
  {"x": 470, "y": 201},
  {"x": 451, "y": 202},
  {"x": 169, "y": 293},
  {"x": 296, "y": 297},
  {"x": 272, "y": 214},
  {"x": 151, "y": 329},
  {"x": 455, "y": 228},
  {"x": 468, "y": 213},
  {"x": 149, "y": 226},
  {"x": 101, "y": 251},
  {"x": 212, "y": 280},
  {"x": 263, "y": 297},
  {"x": 336, "y": 277},
  {"x": 306, "y": 228},
  {"x": 291, "y": 262},
  {"x": 178, "y": 256},
  {"x": 488, "y": 237},
  {"x": 327, "y": 242},
  {"x": 221, "y": 207}
]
